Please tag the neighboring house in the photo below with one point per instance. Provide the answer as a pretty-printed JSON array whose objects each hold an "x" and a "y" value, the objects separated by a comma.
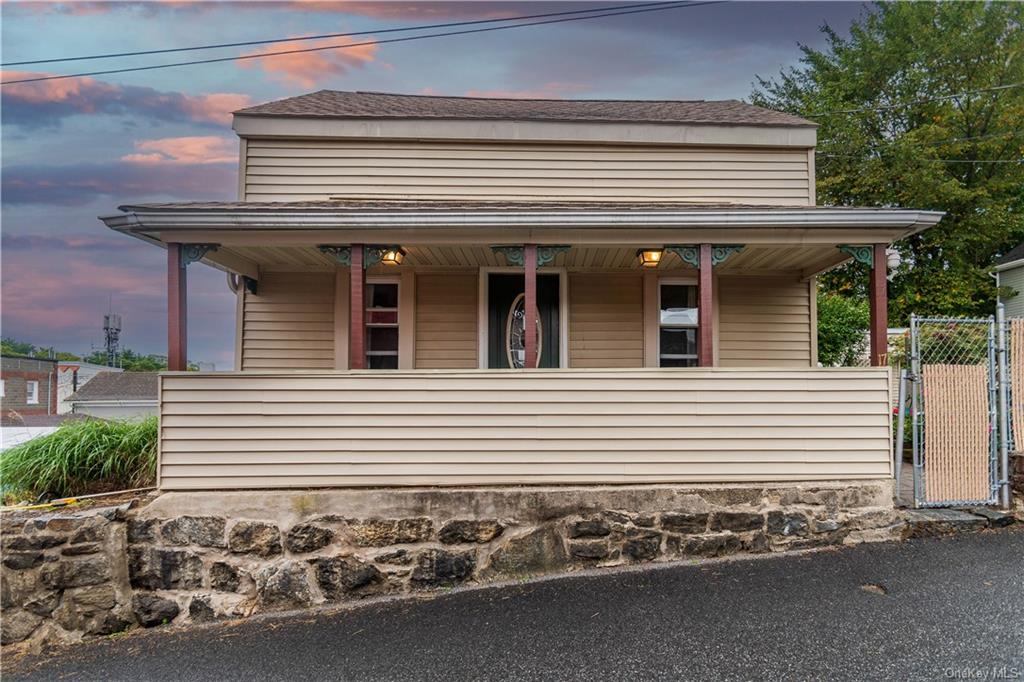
[
  {"x": 385, "y": 250},
  {"x": 28, "y": 387},
  {"x": 71, "y": 376},
  {"x": 1010, "y": 274},
  {"x": 117, "y": 395}
]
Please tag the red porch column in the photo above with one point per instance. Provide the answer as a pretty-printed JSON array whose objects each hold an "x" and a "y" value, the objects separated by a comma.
[
  {"x": 357, "y": 309},
  {"x": 530, "y": 307},
  {"x": 879, "y": 306},
  {"x": 177, "y": 307},
  {"x": 705, "y": 309}
]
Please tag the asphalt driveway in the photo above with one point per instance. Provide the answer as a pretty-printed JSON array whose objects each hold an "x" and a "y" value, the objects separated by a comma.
[{"x": 949, "y": 608}]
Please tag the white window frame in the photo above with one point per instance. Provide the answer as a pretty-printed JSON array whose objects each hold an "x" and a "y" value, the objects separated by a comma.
[
  {"x": 3, "y": 387},
  {"x": 384, "y": 279},
  {"x": 31, "y": 392},
  {"x": 677, "y": 281}
]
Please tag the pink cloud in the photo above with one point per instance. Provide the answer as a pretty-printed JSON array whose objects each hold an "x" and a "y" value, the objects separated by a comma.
[
  {"x": 198, "y": 149},
  {"x": 553, "y": 90},
  {"x": 306, "y": 69},
  {"x": 48, "y": 102}
]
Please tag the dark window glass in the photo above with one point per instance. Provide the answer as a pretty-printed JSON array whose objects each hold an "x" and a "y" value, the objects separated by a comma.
[
  {"x": 382, "y": 295},
  {"x": 382, "y": 362},
  {"x": 381, "y": 317},
  {"x": 679, "y": 362},
  {"x": 678, "y": 304},
  {"x": 382, "y": 339},
  {"x": 677, "y": 341}
]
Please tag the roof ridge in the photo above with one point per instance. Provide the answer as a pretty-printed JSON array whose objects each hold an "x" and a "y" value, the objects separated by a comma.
[{"x": 533, "y": 99}]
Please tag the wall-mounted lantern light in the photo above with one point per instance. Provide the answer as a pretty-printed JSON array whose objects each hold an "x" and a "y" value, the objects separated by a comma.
[
  {"x": 392, "y": 255},
  {"x": 649, "y": 258}
]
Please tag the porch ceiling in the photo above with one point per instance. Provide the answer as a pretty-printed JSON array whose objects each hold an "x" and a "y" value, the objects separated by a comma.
[{"x": 611, "y": 257}]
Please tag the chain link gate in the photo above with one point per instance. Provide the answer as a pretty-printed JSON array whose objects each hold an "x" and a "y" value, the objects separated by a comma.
[{"x": 958, "y": 410}]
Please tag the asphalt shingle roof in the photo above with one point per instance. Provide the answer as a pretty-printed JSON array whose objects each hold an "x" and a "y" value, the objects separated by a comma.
[
  {"x": 1016, "y": 253},
  {"x": 341, "y": 104},
  {"x": 119, "y": 386}
]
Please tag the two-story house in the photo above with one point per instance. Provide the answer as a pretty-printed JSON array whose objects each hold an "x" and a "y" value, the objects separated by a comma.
[{"x": 466, "y": 291}]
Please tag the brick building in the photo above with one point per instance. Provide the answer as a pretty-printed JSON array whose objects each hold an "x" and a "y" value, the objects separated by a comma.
[{"x": 28, "y": 386}]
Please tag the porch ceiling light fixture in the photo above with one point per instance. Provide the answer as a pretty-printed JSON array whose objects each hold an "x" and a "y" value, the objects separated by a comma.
[
  {"x": 650, "y": 258},
  {"x": 392, "y": 255}
]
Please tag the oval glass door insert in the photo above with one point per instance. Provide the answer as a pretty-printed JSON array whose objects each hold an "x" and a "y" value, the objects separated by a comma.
[{"x": 515, "y": 334}]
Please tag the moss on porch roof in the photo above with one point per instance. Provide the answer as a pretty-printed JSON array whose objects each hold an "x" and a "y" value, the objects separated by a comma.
[{"x": 343, "y": 104}]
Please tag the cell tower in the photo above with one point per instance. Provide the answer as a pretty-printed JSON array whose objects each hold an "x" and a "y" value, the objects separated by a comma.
[{"x": 112, "y": 332}]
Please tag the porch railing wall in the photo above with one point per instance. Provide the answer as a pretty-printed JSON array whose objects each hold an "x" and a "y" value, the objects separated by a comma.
[{"x": 277, "y": 430}]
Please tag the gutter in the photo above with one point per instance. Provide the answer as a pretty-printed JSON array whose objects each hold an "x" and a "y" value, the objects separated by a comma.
[{"x": 141, "y": 221}]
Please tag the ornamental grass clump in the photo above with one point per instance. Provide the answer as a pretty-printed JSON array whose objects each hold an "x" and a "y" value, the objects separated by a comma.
[{"x": 81, "y": 457}]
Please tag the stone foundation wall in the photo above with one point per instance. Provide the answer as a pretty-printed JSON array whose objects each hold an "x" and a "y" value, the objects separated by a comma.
[
  {"x": 1017, "y": 479},
  {"x": 197, "y": 557}
]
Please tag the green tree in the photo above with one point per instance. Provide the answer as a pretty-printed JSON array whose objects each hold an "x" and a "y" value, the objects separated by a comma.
[
  {"x": 918, "y": 108},
  {"x": 842, "y": 330},
  {"x": 9, "y": 346}
]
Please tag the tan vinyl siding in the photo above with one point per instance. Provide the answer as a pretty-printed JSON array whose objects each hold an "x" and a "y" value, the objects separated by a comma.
[
  {"x": 606, "y": 320},
  {"x": 289, "y": 323},
  {"x": 446, "y": 320},
  {"x": 764, "y": 321},
  {"x": 1013, "y": 279},
  {"x": 264, "y": 430},
  {"x": 303, "y": 169}
]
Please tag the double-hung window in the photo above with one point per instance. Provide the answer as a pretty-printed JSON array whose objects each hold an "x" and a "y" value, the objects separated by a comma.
[
  {"x": 31, "y": 392},
  {"x": 677, "y": 324},
  {"x": 382, "y": 325}
]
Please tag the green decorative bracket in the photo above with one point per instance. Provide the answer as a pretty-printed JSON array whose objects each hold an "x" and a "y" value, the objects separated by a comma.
[
  {"x": 688, "y": 254},
  {"x": 721, "y": 252},
  {"x": 861, "y": 254},
  {"x": 513, "y": 254},
  {"x": 342, "y": 255},
  {"x": 190, "y": 253},
  {"x": 546, "y": 254}
]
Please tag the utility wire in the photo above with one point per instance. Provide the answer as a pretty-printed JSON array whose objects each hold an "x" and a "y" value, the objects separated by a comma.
[
  {"x": 1009, "y": 135},
  {"x": 924, "y": 100},
  {"x": 854, "y": 156},
  {"x": 351, "y": 45},
  {"x": 271, "y": 41}
]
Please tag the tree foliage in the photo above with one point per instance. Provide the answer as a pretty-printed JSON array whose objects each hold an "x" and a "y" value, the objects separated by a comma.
[
  {"x": 842, "y": 330},
  {"x": 127, "y": 359},
  {"x": 914, "y": 140}
]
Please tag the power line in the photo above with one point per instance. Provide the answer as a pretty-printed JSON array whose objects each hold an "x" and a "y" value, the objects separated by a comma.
[
  {"x": 924, "y": 100},
  {"x": 270, "y": 41},
  {"x": 362, "y": 44},
  {"x": 1009, "y": 135},
  {"x": 854, "y": 156}
]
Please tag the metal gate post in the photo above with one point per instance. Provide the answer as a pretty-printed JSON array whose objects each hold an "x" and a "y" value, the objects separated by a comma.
[
  {"x": 915, "y": 407},
  {"x": 897, "y": 446},
  {"x": 1004, "y": 413}
]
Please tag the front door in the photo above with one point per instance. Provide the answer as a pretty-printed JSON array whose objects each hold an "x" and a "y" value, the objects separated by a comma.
[{"x": 505, "y": 319}]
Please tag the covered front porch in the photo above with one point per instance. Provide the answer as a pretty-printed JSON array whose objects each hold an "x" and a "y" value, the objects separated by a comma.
[{"x": 387, "y": 343}]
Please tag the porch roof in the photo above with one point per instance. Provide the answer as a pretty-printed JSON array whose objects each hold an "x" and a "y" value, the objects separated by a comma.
[
  {"x": 253, "y": 236},
  {"x": 339, "y": 213}
]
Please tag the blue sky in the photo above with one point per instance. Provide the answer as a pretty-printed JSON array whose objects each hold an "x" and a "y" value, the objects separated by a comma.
[{"x": 75, "y": 149}]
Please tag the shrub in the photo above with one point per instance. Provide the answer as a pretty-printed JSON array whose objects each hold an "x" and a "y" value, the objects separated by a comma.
[
  {"x": 842, "y": 330},
  {"x": 82, "y": 457}
]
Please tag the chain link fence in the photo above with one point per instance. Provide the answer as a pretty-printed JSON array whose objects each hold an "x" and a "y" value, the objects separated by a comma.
[{"x": 955, "y": 415}]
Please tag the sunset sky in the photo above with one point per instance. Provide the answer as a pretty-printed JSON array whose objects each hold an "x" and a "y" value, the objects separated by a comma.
[{"x": 75, "y": 149}]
